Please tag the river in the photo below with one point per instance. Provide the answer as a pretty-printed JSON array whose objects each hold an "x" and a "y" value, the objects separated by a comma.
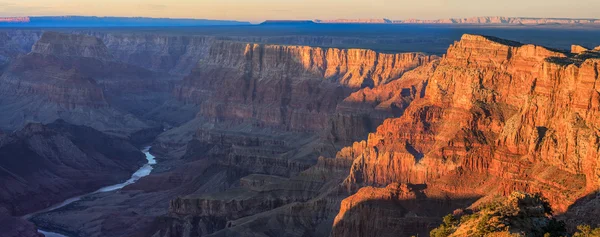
[{"x": 142, "y": 172}]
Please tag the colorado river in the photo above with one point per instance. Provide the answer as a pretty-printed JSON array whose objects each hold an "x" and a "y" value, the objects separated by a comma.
[{"x": 142, "y": 172}]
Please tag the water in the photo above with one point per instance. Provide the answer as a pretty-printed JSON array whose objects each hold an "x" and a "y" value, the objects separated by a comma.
[{"x": 140, "y": 173}]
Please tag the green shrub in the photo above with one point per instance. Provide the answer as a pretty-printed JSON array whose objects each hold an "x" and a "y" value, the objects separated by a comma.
[
  {"x": 449, "y": 224},
  {"x": 587, "y": 231}
]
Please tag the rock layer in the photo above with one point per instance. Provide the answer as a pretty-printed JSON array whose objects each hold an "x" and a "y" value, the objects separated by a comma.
[
  {"x": 497, "y": 116},
  {"x": 74, "y": 77},
  {"x": 291, "y": 87}
]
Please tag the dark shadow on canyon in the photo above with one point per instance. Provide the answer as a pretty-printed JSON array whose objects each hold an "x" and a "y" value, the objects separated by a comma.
[
  {"x": 399, "y": 216},
  {"x": 583, "y": 212}
]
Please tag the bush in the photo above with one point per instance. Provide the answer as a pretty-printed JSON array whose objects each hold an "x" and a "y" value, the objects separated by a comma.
[
  {"x": 448, "y": 227},
  {"x": 587, "y": 231}
]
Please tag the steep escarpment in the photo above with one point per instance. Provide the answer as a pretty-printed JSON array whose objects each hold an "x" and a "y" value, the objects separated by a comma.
[
  {"x": 497, "y": 116},
  {"x": 45, "y": 164},
  {"x": 291, "y": 87},
  {"x": 175, "y": 54},
  {"x": 74, "y": 77},
  {"x": 363, "y": 111}
]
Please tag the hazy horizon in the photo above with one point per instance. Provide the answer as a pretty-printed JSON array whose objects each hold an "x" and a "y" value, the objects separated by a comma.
[{"x": 260, "y": 10}]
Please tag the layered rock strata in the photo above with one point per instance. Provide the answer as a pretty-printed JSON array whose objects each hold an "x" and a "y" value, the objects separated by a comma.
[
  {"x": 74, "y": 77},
  {"x": 497, "y": 116},
  {"x": 290, "y": 87}
]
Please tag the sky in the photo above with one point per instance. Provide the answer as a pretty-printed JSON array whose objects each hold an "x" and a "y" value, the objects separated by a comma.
[{"x": 258, "y": 10}]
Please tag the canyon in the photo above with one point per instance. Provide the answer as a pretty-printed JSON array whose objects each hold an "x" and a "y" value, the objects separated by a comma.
[{"x": 259, "y": 139}]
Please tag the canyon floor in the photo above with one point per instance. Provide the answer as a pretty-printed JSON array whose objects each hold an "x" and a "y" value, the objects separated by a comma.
[{"x": 351, "y": 130}]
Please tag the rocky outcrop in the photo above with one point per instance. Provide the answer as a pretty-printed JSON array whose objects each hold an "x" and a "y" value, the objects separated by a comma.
[
  {"x": 290, "y": 87},
  {"x": 44, "y": 164},
  {"x": 363, "y": 111},
  {"x": 577, "y": 49},
  {"x": 497, "y": 116}
]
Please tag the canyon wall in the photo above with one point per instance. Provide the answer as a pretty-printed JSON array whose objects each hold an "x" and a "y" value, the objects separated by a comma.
[
  {"x": 74, "y": 77},
  {"x": 291, "y": 87},
  {"x": 174, "y": 54},
  {"x": 497, "y": 116}
]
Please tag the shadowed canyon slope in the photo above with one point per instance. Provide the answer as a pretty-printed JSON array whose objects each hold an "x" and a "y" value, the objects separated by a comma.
[
  {"x": 74, "y": 77},
  {"x": 49, "y": 163},
  {"x": 42, "y": 165}
]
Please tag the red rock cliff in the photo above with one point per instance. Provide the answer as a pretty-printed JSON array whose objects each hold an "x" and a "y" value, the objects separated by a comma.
[{"x": 497, "y": 116}]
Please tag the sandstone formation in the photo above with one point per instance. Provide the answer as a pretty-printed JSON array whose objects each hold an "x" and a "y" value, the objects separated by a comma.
[
  {"x": 577, "y": 49},
  {"x": 497, "y": 116},
  {"x": 363, "y": 111}
]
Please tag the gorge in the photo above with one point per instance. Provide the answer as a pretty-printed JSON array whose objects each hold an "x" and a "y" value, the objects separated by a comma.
[{"x": 260, "y": 139}]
